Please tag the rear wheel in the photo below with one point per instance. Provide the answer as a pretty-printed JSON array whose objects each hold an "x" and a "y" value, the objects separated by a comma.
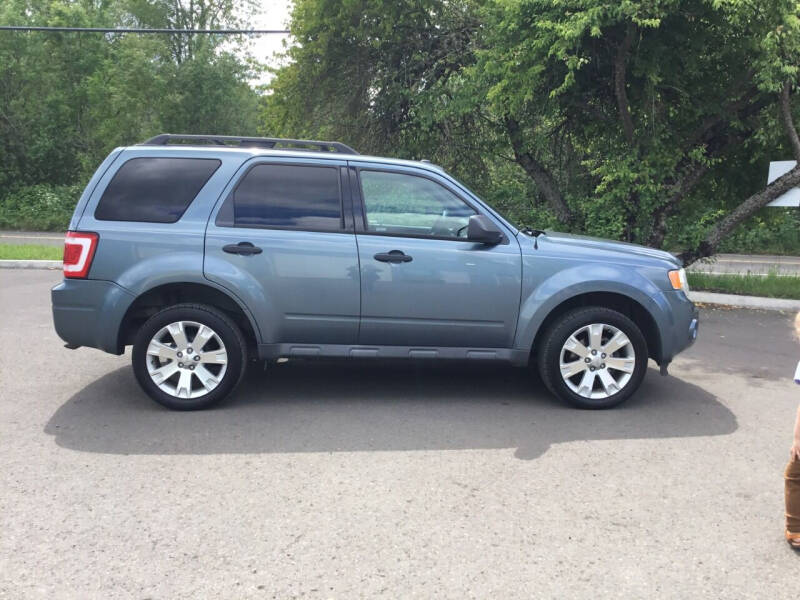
[
  {"x": 188, "y": 356},
  {"x": 593, "y": 357}
]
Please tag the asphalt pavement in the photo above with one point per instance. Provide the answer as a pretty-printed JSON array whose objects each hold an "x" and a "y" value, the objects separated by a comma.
[
  {"x": 748, "y": 263},
  {"x": 358, "y": 479},
  {"x": 42, "y": 238}
]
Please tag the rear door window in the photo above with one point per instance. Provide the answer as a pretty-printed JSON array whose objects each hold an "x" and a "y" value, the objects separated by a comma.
[
  {"x": 154, "y": 190},
  {"x": 281, "y": 196}
]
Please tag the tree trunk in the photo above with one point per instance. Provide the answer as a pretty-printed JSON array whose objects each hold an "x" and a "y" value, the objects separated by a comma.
[
  {"x": 748, "y": 208},
  {"x": 709, "y": 245},
  {"x": 544, "y": 181},
  {"x": 666, "y": 210},
  {"x": 620, "y": 68},
  {"x": 786, "y": 116}
]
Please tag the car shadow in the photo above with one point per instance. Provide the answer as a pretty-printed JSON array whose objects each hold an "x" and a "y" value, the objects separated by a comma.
[{"x": 350, "y": 406}]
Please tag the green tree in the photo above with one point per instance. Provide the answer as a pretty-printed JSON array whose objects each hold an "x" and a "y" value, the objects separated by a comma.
[
  {"x": 650, "y": 121},
  {"x": 67, "y": 99}
]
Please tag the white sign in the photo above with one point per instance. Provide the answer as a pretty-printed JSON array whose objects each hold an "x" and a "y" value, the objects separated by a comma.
[{"x": 776, "y": 169}]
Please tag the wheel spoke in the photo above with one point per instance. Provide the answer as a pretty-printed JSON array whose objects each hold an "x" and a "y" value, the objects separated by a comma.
[
  {"x": 215, "y": 357},
  {"x": 184, "y": 387},
  {"x": 163, "y": 362},
  {"x": 573, "y": 345},
  {"x": 609, "y": 383},
  {"x": 162, "y": 351},
  {"x": 587, "y": 383},
  {"x": 595, "y": 336},
  {"x": 178, "y": 334},
  {"x": 597, "y": 361},
  {"x": 201, "y": 339},
  {"x": 206, "y": 378},
  {"x": 625, "y": 365},
  {"x": 620, "y": 340},
  {"x": 163, "y": 373},
  {"x": 571, "y": 369}
]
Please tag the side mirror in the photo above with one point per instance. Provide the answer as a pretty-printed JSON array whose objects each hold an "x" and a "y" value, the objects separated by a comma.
[{"x": 481, "y": 229}]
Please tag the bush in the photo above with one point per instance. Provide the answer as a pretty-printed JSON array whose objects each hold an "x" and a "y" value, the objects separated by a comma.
[
  {"x": 773, "y": 231},
  {"x": 39, "y": 207}
]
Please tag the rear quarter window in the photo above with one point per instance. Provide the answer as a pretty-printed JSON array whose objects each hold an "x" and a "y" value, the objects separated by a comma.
[{"x": 154, "y": 190}]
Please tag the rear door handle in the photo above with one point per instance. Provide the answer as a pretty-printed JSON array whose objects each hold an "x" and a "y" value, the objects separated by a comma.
[
  {"x": 245, "y": 248},
  {"x": 393, "y": 256}
]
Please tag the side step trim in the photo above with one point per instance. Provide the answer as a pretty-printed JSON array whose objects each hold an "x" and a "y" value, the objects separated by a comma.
[{"x": 288, "y": 350}]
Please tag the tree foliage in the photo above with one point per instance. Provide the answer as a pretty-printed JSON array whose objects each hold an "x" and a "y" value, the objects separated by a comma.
[
  {"x": 67, "y": 99},
  {"x": 651, "y": 121}
]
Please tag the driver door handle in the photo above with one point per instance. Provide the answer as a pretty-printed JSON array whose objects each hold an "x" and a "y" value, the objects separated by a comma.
[{"x": 393, "y": 256}]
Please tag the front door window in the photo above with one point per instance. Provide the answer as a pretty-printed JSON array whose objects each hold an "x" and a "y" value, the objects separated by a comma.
[{"x": 401, "y": 204}]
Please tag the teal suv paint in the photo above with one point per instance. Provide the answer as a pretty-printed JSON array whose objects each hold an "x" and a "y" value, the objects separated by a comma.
[{"x": 206, "y": 252}]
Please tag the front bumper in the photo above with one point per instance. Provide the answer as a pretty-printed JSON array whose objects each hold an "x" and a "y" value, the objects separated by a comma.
[
  {"x": 89, "y": 312},
  {"x": 683, "y": 330},
  {"x": 694, "y": 326}
]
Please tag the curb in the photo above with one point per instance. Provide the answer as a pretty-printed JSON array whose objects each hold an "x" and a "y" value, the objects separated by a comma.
[
  {"x": 745, "y": 301},
  {"x": 30, "y": 264}
]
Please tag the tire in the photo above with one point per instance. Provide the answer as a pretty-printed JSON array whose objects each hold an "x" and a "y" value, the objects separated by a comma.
[
  {"x": 593, "y": 383},
  {"x": 211, "y": 371}
]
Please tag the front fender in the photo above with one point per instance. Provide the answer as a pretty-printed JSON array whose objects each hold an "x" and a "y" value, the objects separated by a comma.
[{"x": 563, "y": 285}]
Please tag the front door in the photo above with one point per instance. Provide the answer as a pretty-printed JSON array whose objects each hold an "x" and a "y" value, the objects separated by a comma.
[
  {"x": 284, "y": 243},
  {"x": 422, "y": 282}
]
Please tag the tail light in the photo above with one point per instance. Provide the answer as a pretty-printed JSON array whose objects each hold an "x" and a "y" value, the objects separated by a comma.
[{"x": 79, "y": 247}]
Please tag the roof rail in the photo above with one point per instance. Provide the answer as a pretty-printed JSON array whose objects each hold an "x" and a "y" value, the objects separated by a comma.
[{"x": 164, "y": 139}]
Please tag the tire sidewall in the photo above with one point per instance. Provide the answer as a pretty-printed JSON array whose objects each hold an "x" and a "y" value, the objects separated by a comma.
[
  {"x": 223, "y": 326},
  {"x": 566, "y": 326}
]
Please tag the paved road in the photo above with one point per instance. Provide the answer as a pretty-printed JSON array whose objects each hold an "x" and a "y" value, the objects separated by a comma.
[
  {"x": 749, "y": 263},
  {"x": 353, "y": 481},
  {"x": 43, "y": 238},
  {"x": 722, "y": 263}
]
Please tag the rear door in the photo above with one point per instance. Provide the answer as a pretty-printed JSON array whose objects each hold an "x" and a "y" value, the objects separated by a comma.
[
  {"x": 282, "y": 239},
  {"x": 422, "y": 282}
]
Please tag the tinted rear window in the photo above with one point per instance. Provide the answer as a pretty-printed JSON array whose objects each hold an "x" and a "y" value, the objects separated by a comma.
[
  {"x": 154, "y": 190},
  {"x": 285, "y": 196}
]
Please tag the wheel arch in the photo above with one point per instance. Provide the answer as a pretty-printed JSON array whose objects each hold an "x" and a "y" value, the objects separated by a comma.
[
  {"x": 620, "y": 302},
  {"x": 159, "y": 297}
]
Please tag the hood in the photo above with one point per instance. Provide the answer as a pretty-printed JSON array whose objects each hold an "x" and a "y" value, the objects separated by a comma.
[{"x": 593, "y": 243}]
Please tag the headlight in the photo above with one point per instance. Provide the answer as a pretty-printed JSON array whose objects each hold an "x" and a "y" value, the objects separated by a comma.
[{"x": 678, "y": 280}]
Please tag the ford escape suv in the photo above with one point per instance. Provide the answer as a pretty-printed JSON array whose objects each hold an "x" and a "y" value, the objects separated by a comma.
[{"x": 206, "y": 252}]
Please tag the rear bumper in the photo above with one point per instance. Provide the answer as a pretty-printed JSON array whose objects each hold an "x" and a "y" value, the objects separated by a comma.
[{"x": 88, "y": 312}]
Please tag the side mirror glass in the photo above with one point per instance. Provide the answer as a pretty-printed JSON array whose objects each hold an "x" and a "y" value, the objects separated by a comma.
[{"x": 481, "y": 229}]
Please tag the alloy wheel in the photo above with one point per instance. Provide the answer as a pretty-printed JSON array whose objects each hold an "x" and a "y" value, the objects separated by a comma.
[
  {"x": 186, "y": 359},
  {"x": 597, "y": 361}
]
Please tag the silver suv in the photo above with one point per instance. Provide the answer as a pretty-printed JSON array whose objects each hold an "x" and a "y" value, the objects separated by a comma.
[{"x": 206, "y": 252}]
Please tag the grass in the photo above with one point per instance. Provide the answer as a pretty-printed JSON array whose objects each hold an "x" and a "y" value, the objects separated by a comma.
[
  {"x": 770, "y": 285},
  {"x": 30, "y": 252}
]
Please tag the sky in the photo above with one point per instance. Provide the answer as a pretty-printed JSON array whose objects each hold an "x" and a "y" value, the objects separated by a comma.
[{"x": 274, "y": 15}]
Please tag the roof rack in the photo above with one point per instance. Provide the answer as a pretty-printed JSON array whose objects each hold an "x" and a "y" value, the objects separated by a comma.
[{"x": 164, "y": 139}]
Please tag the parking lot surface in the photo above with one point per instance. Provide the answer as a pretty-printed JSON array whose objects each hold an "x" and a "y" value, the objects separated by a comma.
[{"x": 356, "y": 480}]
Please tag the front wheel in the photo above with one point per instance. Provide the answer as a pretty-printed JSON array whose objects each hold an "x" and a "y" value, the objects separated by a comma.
[
  {"x": 593, "y": 357},
  {"x": 188, "y": 356}
]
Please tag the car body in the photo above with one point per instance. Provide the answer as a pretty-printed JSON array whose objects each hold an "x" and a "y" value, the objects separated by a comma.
[{"x": 374, "y": 280}]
